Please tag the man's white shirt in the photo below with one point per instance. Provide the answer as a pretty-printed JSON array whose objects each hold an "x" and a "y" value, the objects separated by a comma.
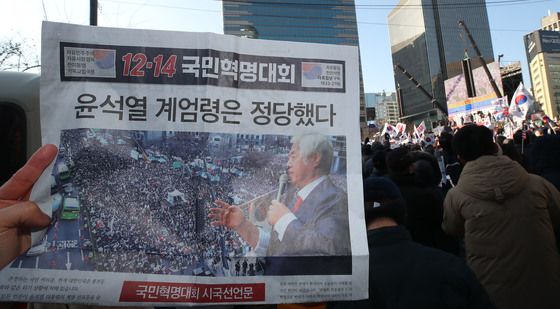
[{"x": 282, "y": 223}]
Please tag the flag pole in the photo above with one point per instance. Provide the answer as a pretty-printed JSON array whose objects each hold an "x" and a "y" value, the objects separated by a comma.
[{"x": 523, "y": 136}]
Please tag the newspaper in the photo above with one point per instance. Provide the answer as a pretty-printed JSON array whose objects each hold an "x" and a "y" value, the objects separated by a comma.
[{"x": 165, "y": 140}]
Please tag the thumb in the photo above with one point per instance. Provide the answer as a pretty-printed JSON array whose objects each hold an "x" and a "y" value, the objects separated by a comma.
[{"x": 25, "y": 214}]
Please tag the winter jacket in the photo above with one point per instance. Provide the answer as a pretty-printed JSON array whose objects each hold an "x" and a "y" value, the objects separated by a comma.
[
  {"x": 424, "y": 205},
  {"x": 507, "y": 217},
  {"x": 424, "y": 200},
  {"x": 404, "y": 275}
]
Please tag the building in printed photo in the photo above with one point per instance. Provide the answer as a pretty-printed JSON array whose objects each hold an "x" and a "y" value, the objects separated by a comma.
[
  {"x": 313, "y": 21},
  {"x": 543, "y": 55},
  {"x": 428, "y": 43}
]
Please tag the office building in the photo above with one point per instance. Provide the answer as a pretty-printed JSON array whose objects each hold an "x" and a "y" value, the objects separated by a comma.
[
  {"x": 551, "y": 22},
  {"x": 371, "y": 106},
  {"x": 427, "y": 42},
  {"x": 385, "y": 105},
  {"x": 315, "y": 21},
  {"x": 543, "y": 55}
]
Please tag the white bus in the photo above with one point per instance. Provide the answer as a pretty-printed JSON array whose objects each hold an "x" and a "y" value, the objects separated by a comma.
[{"x": 20, "y": 133}]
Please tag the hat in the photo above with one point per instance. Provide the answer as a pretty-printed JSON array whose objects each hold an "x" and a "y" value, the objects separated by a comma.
[{"x": 382, "y": 198}]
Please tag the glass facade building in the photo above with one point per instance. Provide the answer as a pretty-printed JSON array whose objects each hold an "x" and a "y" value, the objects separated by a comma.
[
  {"x": 314, "y": 21},
  {"x": 427, "y": 41}
]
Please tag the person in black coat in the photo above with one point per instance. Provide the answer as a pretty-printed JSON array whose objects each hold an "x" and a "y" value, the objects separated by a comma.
[
  {"x": 451, "y": 164},
  {"x": 404, "y": 274},
  {"x": 545, "y": 154},
  {"x": 417, "y": 176}
]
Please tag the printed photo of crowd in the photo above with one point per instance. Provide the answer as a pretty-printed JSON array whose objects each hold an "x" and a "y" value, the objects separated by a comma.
[{"x": 140, "y": 201}]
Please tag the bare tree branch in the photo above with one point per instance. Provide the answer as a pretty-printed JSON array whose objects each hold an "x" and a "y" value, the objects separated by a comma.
[{"x": 16, "y": 55}]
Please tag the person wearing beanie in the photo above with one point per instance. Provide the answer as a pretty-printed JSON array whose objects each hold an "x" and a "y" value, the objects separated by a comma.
[{"x": 402, "y": 273}]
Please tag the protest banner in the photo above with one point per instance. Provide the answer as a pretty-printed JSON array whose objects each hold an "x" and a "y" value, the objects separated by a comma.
[{"x": 172, "y": 148}]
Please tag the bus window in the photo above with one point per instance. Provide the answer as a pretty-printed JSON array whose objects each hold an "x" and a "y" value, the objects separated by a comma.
[
  {"x": 63, "y": 172},
  {"x": 12, "y": 140},
  {"x": 20, "y": 129}
]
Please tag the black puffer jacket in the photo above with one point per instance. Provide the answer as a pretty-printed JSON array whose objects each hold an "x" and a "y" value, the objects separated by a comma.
[{"x": 404, "y": 274}]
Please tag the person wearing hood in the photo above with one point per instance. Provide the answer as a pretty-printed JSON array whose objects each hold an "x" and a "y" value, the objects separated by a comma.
[{"x": 507, "y": 218}]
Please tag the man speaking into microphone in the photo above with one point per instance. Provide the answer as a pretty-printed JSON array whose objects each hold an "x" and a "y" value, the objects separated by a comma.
[{"x": 310, "y": 233}]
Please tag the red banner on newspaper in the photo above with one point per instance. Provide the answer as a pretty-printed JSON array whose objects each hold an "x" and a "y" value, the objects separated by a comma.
[{"x": 142, "y": 291}]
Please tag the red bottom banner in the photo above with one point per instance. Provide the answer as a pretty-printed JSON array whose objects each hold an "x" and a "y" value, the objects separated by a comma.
[{"x": 143, "y": 291}]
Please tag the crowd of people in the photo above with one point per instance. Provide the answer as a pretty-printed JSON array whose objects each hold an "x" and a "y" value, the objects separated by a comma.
[
  {"x": 488, "y": 199},
  {"x": 134, "y": 228}
]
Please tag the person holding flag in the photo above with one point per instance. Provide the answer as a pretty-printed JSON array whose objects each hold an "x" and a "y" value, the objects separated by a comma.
[
  {"x": 401, "y": 128},
  {"x": 389, "y": 129},
  {"x": 419, "y": 130}
]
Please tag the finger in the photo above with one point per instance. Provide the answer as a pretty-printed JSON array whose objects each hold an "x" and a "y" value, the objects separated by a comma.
[
  {"x": 270, "y": 216},
  {"x": 217, "y": 223},
  {"x": 216, "y": 220},
  {"x": 215, "y": 214},
  {"x": 6, "y": 203},
  {"x": 24, "y": 214},
  {"x": 21, "y": 182},
  {"x": 216, "y": 211},
  {"x": 222, "y": 204},
  {"x": 274, "y": 204}
]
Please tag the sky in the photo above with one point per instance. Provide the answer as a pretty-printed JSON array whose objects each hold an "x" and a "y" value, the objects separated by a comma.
[{"x": 509, "y": 21}]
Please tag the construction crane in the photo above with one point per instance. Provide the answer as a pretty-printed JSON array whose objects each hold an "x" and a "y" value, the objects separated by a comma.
[
  {"x": 484, "y": 65},
  {"x": 419, "y": 87}
]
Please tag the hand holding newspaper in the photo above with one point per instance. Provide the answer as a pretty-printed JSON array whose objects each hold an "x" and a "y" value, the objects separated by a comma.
[{"x": 164, "y": 189}]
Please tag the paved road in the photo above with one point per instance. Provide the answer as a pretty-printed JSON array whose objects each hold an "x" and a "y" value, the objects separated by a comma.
[{"x": 64, "y": 249}]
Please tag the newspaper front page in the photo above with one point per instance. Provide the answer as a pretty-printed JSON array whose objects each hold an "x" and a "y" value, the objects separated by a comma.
[{"x": 195, "y": 169}]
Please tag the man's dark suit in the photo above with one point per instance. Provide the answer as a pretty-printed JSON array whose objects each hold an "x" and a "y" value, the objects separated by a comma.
[{"x": 318, "y": 242}]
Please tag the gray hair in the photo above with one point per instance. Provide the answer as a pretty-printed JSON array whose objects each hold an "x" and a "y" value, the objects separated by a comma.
[{"x": 315, "y": 143}]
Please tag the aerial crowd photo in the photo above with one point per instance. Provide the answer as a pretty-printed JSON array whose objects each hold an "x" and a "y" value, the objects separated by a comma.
[{"x": 140, "y": 201}]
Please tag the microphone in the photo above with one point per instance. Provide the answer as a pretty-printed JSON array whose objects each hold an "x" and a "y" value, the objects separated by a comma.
[{"x": 282, "y": 184}]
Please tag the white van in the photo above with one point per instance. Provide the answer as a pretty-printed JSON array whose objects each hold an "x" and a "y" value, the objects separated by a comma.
[{"x": 20, "y": 131}]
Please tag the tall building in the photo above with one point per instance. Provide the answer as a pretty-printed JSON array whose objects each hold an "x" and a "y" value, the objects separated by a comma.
[
  {"x": 386, "y": 108},
  {"x": 371, "y": 100},
  {"x": 315, "y": 21},
  {"x": 551, "y": 22},
  {"x": 427, "y": 41},
  {"x": 543, "y": 55}
]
